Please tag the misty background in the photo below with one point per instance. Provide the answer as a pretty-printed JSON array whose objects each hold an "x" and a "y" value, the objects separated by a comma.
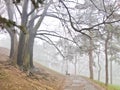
[{"x": 48, "y": 56}]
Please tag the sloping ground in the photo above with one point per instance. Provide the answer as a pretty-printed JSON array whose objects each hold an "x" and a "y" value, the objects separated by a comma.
[
  {"x": 12, "y": 78},
  {"x": 109, "y": 87},
  {"x": 80, "y": 83},
  {"x": 4, "y": 54}
]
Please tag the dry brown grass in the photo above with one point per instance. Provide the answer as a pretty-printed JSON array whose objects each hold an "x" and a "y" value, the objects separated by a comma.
[{"x": 11, "y": 78}]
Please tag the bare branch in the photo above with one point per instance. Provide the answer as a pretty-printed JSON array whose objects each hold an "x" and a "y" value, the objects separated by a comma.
[
  {"x": 43, "y": 39},
  {"x": 70, "y": 18},
  {"x": 95, "y": 5},
  {"x": 55, "y": 46},
  {"x": 47, "y": 31},
  {"x": 18, "y": 9},
  {"x": 54, "y": 36},
  {"x": 43, "y": 15},
  {"x": 104, "y": 6},
  {"x": 71, "y": 34},
  {"x": 31, "y": 12}
]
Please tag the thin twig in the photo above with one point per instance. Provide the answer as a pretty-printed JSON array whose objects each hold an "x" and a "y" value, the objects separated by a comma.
[
  {"x": 55, "y": 46},
  {"x": 54, "y": 36},
  {"x": 31, "y": 12},
  {"x": 18, "y": 9}
]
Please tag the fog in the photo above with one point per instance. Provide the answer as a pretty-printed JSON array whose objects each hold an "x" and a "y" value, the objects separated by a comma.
[{"x": 48, "y": 56}]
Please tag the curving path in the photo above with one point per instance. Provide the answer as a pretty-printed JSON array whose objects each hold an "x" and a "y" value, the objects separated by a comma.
[{"x": 80, "y": 83}]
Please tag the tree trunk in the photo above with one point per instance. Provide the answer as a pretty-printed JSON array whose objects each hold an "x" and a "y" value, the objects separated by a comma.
[
  {"x": 31, "y": 45},
  {"x": 23, "y": 39},
  {"x": 12, "y": 33},
  {"x": 75, "y": 65},
  {"x": 20, "y": 50},
  {"x": 13, "y": 40},
  {"x": 25, "y": 51},
  {"x": 14, "y": 49},
  {"x": 111, "y": 75},
  {"x": 99, "y": 71},
  {"x": 75, "y": 69},
  {"x": 11, "y": 46},
  {"x": 90, "y": 54},
  {"x": 106, "y": 62},
  {"x": 66, "y": 71}
]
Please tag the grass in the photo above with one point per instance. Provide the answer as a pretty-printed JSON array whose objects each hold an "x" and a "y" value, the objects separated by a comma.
[
  {"x": 12, "y": 78},
  {"x": 113, "y": 87},
  {"x": 109, "y": 87}
]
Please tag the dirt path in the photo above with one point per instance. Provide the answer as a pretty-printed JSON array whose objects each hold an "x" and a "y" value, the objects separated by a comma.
[{"x": 80, "y": 83}]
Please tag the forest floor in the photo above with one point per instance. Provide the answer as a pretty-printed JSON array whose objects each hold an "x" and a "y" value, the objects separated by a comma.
[{"x": 11, "y": 78}]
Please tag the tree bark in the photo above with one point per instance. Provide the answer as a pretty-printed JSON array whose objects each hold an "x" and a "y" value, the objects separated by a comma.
[
  {"x": 111, "y": 70},
  {"x": 14, "y": 49},
  {"x": 12, "y": 33},
  {"x": 31, "y": 45},
  {"x": 99, "y": 71},
  {"x": 66, "y": 71},
  {"x": 23, "y": 38},
  {"x": 26, "y": 53},
  {"x": 106, "y": 61},
  {"x": 75, "y": 64},
  {"x": 75, "y": 69},
  {"x": 20, "y": 50},
  {"x": 90, "y": 54}
]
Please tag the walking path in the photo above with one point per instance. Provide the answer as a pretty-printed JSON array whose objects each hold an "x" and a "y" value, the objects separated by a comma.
[{"x": 80, "y": 83}]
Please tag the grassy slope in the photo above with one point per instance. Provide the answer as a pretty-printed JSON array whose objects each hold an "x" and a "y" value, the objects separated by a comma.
[
  {"x": 12, "y": 78},
  {"x": 101, "y": 84},
  {"x": 109, "y": 87}
]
